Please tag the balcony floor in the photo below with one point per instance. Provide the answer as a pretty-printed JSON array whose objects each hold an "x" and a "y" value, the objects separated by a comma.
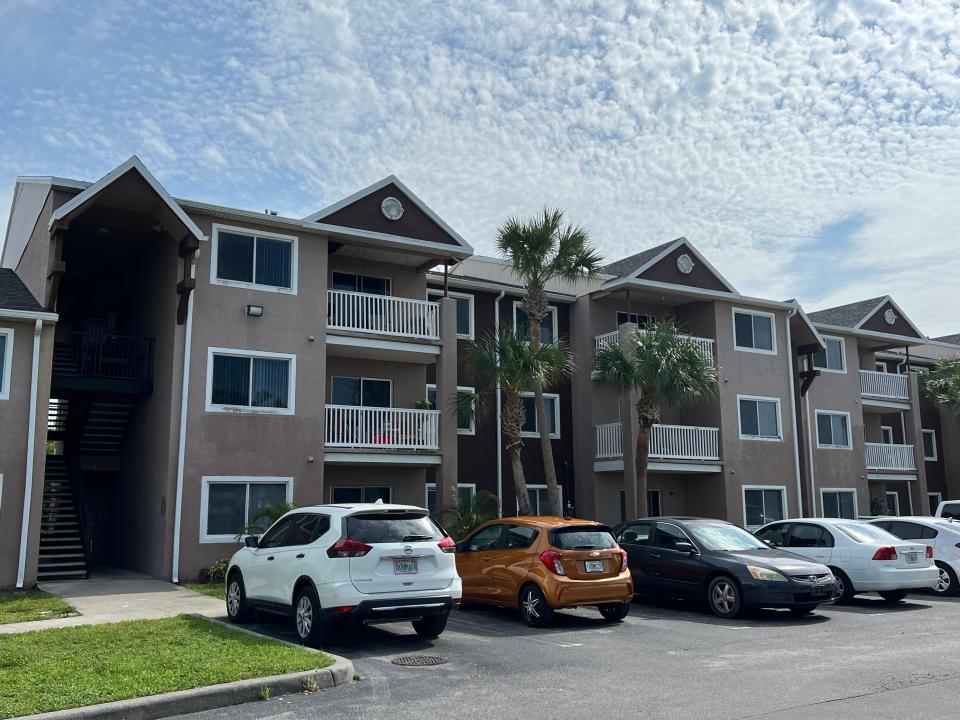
[
  {"x": 676, "y": 467},
  {"x": 364, "y": 346}
]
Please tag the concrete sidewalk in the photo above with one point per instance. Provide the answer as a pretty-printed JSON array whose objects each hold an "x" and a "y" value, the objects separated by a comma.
[{"x": 111, "y": 595}]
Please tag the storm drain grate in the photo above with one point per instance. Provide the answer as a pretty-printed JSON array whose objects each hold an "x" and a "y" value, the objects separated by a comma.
[{"x": 419, "y": 660}]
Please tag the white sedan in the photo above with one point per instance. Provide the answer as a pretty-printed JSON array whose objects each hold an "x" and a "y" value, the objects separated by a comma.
[
  {"x": 943, "y": 534},
  {"x": 863, "y": 557}
]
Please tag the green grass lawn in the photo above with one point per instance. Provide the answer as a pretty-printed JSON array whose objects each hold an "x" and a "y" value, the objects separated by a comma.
[
  {"x": 216, "y": 590},
  {"x": 23, "y": 606},
  {"x": 71, "y": 667}
]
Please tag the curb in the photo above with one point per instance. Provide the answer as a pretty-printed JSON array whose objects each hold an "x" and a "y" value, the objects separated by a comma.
[{"x": 210, "y": 697}]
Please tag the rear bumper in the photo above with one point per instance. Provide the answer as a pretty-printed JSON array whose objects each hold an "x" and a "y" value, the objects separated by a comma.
[
  {"x": 565, "y": 592},
  {"x": 786, "y": 594},
  {"x": 390, "y": 610},
  {"x": 899, "y": 579}
]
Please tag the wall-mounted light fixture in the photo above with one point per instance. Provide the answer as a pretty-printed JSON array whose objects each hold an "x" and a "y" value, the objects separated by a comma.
[{"x": 255, "y": 310}]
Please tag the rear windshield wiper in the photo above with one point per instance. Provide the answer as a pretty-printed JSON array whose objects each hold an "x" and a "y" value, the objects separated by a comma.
[
  {"x": 415, "y": 538},
  {"x": 584, "y": 547}
]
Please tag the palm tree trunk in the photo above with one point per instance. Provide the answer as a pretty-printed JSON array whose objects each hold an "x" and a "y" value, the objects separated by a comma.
[
  {"x": 536, "y": 307},
  {"x": 519, "y": 482},
  {"x": 512, "y": 427},
  {"x": 643, "y": 462}
]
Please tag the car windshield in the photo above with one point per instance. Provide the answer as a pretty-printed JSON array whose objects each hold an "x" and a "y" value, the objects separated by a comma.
[
  {"x": 864, "y": 533},
  {"x": 592, "y": 537},
  {"x": 375, "y": 528},
  {"x": 723, "y": 537}
]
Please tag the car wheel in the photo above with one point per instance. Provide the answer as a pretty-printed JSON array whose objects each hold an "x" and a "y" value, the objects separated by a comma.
[
  {"x": 845, "y": 590},
  {"x": 431, "y": 626},
  {"x": 947, "y": 581},
  {"x": 724, "y": 598},
  {"x": 534, "y": 608},
  {"x": 237, "y": 609},
  {"x": 614, "y": 612},
  {"x": 894, "y": 596},
  {"x": 307, "y": 619},
  {"x": 803, "y": 610}
]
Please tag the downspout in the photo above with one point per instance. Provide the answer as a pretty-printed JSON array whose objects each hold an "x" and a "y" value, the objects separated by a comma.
[
  {"x": 793, "y": 414},
  {"x": 182, "y": 443},
  {"x": 496, "y": 325},
  {"x": 31, "y": 442},
  {"x": 813, "y": 480}
]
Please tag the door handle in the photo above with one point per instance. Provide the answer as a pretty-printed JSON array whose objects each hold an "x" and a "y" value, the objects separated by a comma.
[
  {"x": 300, "y": 556},
  {"x": 270, "y": 558},
  {"x": 653, "y": 555}
]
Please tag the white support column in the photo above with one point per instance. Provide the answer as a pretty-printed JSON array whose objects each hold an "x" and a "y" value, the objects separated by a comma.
[{"x": 447, "y": 482}]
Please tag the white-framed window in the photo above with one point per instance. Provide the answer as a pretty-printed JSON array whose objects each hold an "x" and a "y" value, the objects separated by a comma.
[
  {"x": 929, "y": 444},
  {"x": 229, "y": 503},
  {"x": 361, "y": 391},
  {"x": 356, "y": 282},
  {"x": 886, "y": 434},
  {"x": 933, "y": 501},
  {"x": 839, "y": 503},
  {"x": 893, "y": 503},
  {"x": 833, "y": 430},
  {"x": 539, "y": 500},
  {"x": 253, "y": 259},
  {"x": 763, "y": 504},
  {"x": 353, "y": 494},
  {"x": 759, "y": 418},
  {"x": 834, "y": 358},
  {"x": 551, "y": 403},
  {"x": 250, "y": 381},
  {"x": 637, "y": 319},
  {"x": 466, "y": 420},
  {"x": 548, "y": 329},
  {"x": 465, "y": 493},
  {"x": 464, "y": 311},
  {"x": 6, "y": 361},
  {"x": 754, "y": 331}
]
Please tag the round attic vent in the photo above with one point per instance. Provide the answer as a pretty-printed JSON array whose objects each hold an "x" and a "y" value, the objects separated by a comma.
[
  {"x": 685, "y": 264},
  {"x": 391, "y": 208},
  {"x": 890, "y": 317}
]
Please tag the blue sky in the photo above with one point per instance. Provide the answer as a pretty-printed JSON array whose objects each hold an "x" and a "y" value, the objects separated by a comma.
[{"x": 812, "y": 150}]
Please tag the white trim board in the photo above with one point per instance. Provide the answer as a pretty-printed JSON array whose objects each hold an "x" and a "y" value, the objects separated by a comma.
[
  {"x": 360, "y": 458},
  {"x": 6, "y": 369}
]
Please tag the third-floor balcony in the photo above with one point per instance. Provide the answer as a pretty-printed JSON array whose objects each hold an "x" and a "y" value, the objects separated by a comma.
[
  {"x": 704, "y": 344},
  {"x": 890, "y": 458},
  {"x": 667, "y": 442},
  {"x": 885, "y": 386},
  {"x": 397, "y": 317}
]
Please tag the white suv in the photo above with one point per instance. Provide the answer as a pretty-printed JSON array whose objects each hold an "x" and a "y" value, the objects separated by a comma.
[{"x": 347, "y": 563}]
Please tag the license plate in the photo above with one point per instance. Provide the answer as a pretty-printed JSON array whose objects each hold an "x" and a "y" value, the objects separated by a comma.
[
  {"x": 912, "y": 558},
  {"x": 817, "y": 590},
  {"x": 405, "y": 567},
  {"x": 594, "y": 565}
]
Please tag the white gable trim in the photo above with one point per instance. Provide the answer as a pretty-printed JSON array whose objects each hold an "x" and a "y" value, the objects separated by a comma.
[
  {"x": 896, "y": 307},
  {"x": 318, "y": 216},
  {"x": 134, "y": 163},
  {"x": 673, "y": 246}
]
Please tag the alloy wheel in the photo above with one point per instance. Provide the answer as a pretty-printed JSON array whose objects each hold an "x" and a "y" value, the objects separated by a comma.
[
  {"x": 724, "y": 597},
  {"x": 233, "y": 598},
  {"x": 530, "y": 603},
  {"x": 943, "y": 581},
  {"x": 840, "y": 587},
  {"x": 304, "y": 616}
]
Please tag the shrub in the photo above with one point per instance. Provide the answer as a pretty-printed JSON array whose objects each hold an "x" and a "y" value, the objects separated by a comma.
[{"x": 216, "y": 573}]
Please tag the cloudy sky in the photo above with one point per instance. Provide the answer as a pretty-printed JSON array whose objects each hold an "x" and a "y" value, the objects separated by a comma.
[{"x": 812, "y": 150}]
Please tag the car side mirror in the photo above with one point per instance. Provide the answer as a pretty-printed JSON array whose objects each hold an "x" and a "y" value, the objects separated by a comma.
[
  {"x": 461, "y": 546},
  {"x": 684, "y": 547},
  {"x": 251, "y": 541}
]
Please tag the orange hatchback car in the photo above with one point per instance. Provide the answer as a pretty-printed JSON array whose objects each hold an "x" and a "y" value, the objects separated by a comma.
[{"x": 542, "y": 564}]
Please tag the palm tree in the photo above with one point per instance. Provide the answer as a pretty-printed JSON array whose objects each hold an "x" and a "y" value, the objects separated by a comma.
[
  {"x": 941, "y": 386},
  {"x": 542, "y": 249},
  {"x": 508, "y": 360},
  {"x": 667, "y": 370}
]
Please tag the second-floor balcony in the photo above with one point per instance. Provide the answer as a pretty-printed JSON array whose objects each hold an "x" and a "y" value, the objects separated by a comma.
[
  {"x": 611, "y": 338},
  {"x": 377, "y": 428},
  {"x": 886, "y": 386},
  {"x": 667, "y": 442},
  {"x": 383, "y": 315},
  {"x": 102, "y": 361},
  {"x": 890, "y": 458}
]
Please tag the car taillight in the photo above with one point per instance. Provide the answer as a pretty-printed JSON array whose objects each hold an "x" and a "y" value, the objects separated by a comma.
[
  {"x": 929, "y": 551},
  {"x": 447, "y": 545},
  {"x": 885, "y": 553},
  {"x": 343, "y": 609},
  {"x": 552, "y": 560},
  {"x": 623, "y": 560},
  {"x": 347, "y": 548}
]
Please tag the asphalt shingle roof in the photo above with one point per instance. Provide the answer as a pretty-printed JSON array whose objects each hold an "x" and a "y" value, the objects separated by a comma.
[
  {"x": 953, "y": 339},
  {"x": 845, "y": 315},
  {"x": 622, "y": 268},
  {"x": 14, "y": 294}
]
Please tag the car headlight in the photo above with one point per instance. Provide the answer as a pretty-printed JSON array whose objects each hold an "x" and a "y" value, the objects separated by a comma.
[{"x": 759, "y": 573}]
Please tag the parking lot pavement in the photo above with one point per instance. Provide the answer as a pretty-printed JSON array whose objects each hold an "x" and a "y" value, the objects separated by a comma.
[{"x": 868, "y": 659}]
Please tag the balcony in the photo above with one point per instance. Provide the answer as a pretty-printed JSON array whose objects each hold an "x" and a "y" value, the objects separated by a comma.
[
  {"x": 611, "y": 338},
  {"x": 101, "y": 361},
  {"x": 885, "y": 386},
  {"x": 667, "y": 442},
  {"x": 375, "y": 428},
  {"x": 890, "y": 458},
  {"x": 383, "y": 315}
]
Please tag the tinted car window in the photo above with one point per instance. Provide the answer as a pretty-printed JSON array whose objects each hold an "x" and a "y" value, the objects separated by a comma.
[
  {"x": 776, "y": 535},
  {"x": 804, "y": 535},
  {"x": 595, "y": 537},
  {"x": 636, "y": 534},
  {"x": 306, "y": 529},
  {"x": 376, "y": 528},
  {"x": 668, "y": 536},
  {"x": 951, "y": 510},
  {"x": 912, "y": 531},
  {"x": 486, "y": 539},
  {"x": 277, "y": 535},
  {"x": 518, "y": 536}
]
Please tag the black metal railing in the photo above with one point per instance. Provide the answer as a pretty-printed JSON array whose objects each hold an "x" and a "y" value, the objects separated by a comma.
[{"x": 103, "y": 355}]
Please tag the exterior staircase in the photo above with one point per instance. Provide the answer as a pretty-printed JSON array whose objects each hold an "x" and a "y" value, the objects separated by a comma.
[
  {"x": 105, "y": 426},
  {"x": 62, "y": 554}
]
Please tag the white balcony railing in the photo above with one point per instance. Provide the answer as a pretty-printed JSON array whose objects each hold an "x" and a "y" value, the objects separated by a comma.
[
  {"x": 381, "y": 428},
  {"x": 611, "y": 338},
  {"x": 383, "y": 314},
  {"x": 892, "y": 386},
  {"x": 667, "y": 442},
  {"x": 882, "y": 456}
]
